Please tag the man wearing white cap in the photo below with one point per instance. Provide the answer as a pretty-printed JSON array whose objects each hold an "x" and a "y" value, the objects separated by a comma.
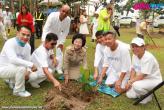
[
  {"x": 145, "y": 72},
  {"x": 7, "y": 19},
  {"x": 2, "y": 28}
]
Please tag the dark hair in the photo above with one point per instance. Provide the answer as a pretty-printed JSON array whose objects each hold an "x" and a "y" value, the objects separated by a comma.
[
  {"x": 51, "y": 36},
  {"x": 98, "y": 33},
  {"x": 25, "y": 8},
  {"x": 140, "y": 36},
  {"x": 23, "y": 26},
  {"x": 110, "y": 32},
  {"x": 79, "y": 36}
]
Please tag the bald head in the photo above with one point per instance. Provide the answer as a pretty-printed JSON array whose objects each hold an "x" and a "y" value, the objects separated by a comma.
[
  {"x": 64, "y": 12},
  {"x": 66, "y": 7}
]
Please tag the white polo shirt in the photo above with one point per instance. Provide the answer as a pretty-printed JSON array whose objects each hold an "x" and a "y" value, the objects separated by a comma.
[
  {"x": 147, "y": 65},
  {"x": 54, "y": 25},
  {"x": 41, "y": 57}
]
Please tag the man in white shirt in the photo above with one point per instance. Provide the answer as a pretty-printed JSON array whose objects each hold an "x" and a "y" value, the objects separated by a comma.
[
  {"x": 59, "y": 24},
  {"x": 7, "y": 19},
  {"x": 117, "y": 60},
  {"x": 99, "y": 54},
  {"x": 44, "y": 62},
  {"x": 2, "y": 28},
  {"x": 15, "y": 59},
  {"x": 145, "y": 72}
]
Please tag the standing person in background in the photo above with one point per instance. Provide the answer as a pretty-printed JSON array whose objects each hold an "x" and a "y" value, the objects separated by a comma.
[
  {"x": 7, "y": 16},
  {"x": 94, "y": 25},
  {"x": 2, "y": 28},
  {"x": 116, "y": 25},
  {"x": 104, "y": 18},
  {"x": 14, "y": 19},
  {"x": 59, "y": 24},
  {"x": 39, "y": 18},
  {"x": 25, "y": 18},
  {"x": 83, "y": 23}
]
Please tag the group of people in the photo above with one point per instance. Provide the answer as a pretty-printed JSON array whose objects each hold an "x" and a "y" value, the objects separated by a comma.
[
  {"x": 112, "y": 57},
  {"x": 136, "y": 77}
]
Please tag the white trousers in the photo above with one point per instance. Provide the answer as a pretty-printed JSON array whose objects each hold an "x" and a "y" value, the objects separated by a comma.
[
  {"x": 38, "y": 76},
  {"x": 16, "y": 74},
  {"x": 112, "y": 77},
  {"x": 142, "y": 87},
  {"x": 59, "y": 57},
  {"x": 2, "y": 31}
]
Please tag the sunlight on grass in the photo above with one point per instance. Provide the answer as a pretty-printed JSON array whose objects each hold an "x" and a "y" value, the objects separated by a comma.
[{"x": 103, "y": 102}]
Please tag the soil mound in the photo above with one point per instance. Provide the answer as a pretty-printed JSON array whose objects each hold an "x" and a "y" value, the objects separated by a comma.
[{"x": 72, "y": 97}]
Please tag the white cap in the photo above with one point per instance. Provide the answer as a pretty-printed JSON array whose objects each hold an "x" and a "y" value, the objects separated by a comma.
[
  {"x": 138, "y": 41},
  {"x": 7, "y": 7}
]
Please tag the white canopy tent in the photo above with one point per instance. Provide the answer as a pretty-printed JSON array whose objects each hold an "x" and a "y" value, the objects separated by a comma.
[{"x": 50, "y": 2}]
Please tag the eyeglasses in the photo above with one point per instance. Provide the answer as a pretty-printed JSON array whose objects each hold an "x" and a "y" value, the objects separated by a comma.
[{"x": 53, "y": 44}]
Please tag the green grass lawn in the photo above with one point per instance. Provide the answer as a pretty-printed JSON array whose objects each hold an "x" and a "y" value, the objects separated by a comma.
[{"x": 102, "y": 102}]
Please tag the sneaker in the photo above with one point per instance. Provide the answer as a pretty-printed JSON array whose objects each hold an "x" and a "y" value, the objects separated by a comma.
[
  {"x": 22, "y": 94},
  {"x": 9, "y": 83},
  {"x": 59, "y": 71},
  {"x": 35, "y": 85}
]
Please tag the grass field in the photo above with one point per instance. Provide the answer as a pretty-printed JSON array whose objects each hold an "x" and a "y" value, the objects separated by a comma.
[{"x": 102, "y": 102}]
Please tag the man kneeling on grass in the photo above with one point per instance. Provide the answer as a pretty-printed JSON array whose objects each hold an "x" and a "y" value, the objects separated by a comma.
[
  {"x": 15, "y": 59},
  {"x": 145, "y": 72},
  {"x": 117, "y": 61},
  {"x": 44, "y": 62}
]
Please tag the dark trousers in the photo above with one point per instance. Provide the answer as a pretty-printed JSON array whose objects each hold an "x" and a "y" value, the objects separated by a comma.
[
  {"x": 116, "y": 28},
  {"x": 32, "y": 43},
  {"x": 38, "y": 28}
]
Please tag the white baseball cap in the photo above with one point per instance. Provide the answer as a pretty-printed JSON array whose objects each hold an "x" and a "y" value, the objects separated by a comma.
[
  {"x": 6, "y": 6},
  {"x": 138, "y": 41}
]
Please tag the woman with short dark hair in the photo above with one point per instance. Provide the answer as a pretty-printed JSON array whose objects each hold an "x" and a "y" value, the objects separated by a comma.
[{"x": 74, "y": 56}]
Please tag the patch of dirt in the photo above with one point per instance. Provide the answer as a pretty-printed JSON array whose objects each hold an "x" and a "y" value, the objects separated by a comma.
[{"x": 70, "y": 98}]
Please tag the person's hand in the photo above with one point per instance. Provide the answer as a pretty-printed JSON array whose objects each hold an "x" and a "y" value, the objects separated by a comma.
[
  {"x": 34, "y": 68},
  {"x": 60, "y": 46},
  {"x": 118, "y": 86},
  {"x": 57, "y": 85},
  {"x": 100, "y": 80},
  {"x": 24, "y": 20},
  {"x": 128, "y": 85},
  {"x": 66, "y": 79},
  {"x": 54, "y": 62},
  {"x": 95, "y": 76}
]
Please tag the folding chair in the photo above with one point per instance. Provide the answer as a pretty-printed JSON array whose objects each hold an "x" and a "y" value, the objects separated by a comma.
[{"x": 149, "y": 93}]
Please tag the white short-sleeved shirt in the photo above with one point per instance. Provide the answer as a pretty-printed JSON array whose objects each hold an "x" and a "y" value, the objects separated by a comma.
[
  {"x": 54, "y": 25},
  {"x": 7, "y": 15},
  {"x": 118, "y": 60},
  {"x": 99, "y": 55},
  {"x": 147, "y": 65},
  {"x": 12, "y": 53},
  {"x": 123, "y": 44},
  {"x": 41, "y": 57}
]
